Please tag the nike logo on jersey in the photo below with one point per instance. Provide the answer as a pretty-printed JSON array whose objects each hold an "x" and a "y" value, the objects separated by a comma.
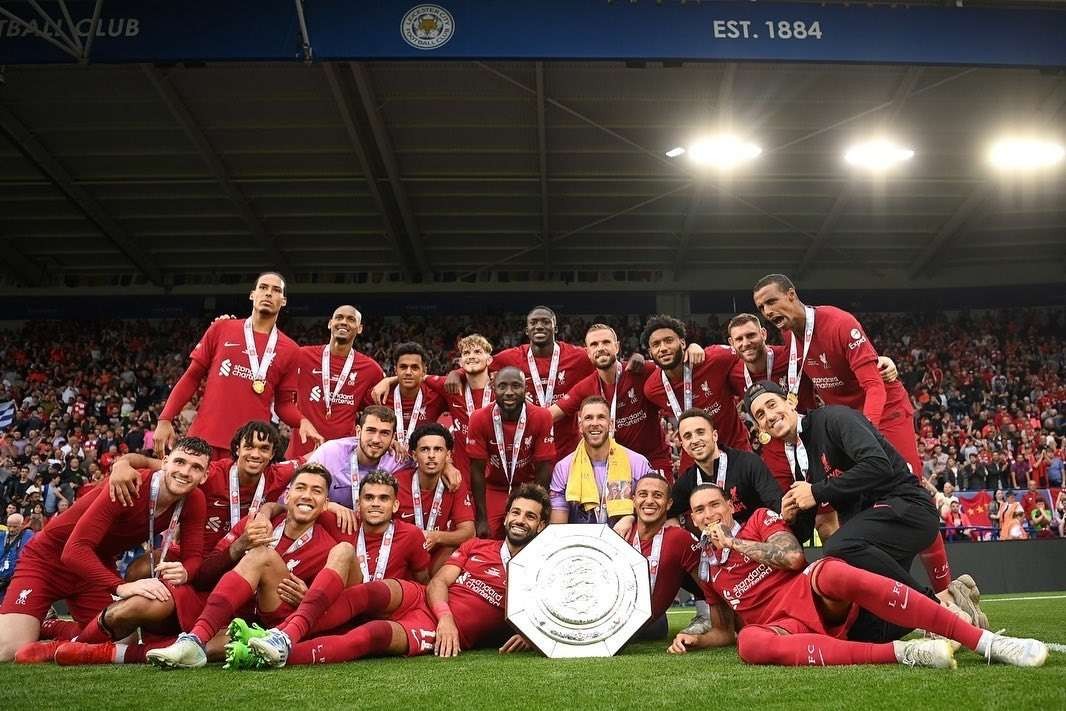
[
  {"x": 407, "y": 515},
  {"x": 227, "y": 344}
]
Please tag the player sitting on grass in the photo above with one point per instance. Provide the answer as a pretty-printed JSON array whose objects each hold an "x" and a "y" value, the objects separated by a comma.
[
  {"x": 461, "y": 608},
  {"x": 798, "y": 615}
]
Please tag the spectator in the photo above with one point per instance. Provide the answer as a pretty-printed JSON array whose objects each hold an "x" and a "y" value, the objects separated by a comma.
[
  {"x": 1020, "y": 469},
  {"x": 995, "y": 507},
  {"x": 973, "y": 473},
  {"x": 1031, "y": 497},
  {"x": 1060, "y": 511},
  {"x": 36, "y": 518},
  {"x": 1041, "y": 520},
  {"x": 957, "y": 525},
  {"x": 12, "y": 540},
  {"x": 53, "y": 494},
  {"x": 1054, "y": 468},
  {"x": 1012, "y": 520}
]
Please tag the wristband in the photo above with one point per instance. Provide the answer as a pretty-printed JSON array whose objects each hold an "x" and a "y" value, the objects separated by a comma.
[{"x": 440, "y": 609}]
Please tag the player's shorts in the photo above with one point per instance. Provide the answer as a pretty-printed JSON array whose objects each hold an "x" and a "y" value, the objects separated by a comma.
[
  {"x": 898, "y": 429},
  {"x": 495, "y": 506},
  {"x": 417, "y": 620},
  {"x": 36, "y": 586},
  {"x": 188, "y": 604},
  {"x": 275, "y": 617},
  {"x": 796, "y": 611}
]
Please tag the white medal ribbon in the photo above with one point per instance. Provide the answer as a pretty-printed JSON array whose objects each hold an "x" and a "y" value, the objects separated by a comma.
[
  {"x": 686, "y": 390},
  {"x": 719, "y": 479},
  {"x": 172, "y": 527},
  {"x": 709, "y": 557},
  {"x": 486, "y": 398},
  {"x": 403, "y": 432},
  {"x": 434, "y": 509},
  {"x": 383, "y": 554},
  {"x": 795, "y": 374},
  {"x": 797, "y": 452},
  {"x": 235, "y": 497},
  {"x": 275, "y": 538},
  {"x": 656, "y": 552},
  {"x": 614, "y": 399},
  {"x": 354, "y": 474},
  {"x": 769, "y": 368},
  {"x": 509, "y": 468},
  {"x": 259, "y": 370},
  {"x": 330, "y": 396},
  {"x": 544, "y": 394}
]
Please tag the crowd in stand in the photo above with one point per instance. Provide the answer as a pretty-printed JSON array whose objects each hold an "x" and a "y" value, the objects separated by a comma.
[{"x": 989, "y": 390}]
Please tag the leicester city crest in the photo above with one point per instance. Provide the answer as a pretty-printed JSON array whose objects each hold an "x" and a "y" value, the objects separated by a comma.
[{"x": 427, "y": 27}]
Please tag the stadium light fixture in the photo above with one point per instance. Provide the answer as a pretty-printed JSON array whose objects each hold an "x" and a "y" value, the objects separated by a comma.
[
  {"x": 722, "y": 152},
  {"x": 878, "y": 154},
  {"x": 1025, "y": 153},
  {"x": 675, "y": 152}
]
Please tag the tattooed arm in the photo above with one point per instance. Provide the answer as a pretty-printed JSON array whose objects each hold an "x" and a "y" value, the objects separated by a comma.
[{"x": 782, "y": 550}]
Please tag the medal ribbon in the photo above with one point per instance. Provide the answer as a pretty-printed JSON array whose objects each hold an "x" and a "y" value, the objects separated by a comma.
[
  {"x": 769, "y": 368},
  {"x": 687, "y": 390},
  {"x": 486, "y": 398},
  {"x": 614, "y": 399},
  {"x": 235, "y": 497},
  {"x": 796, "y": 374},
  {"x": 709, "y": 557},
  {"x": 259, "y": 370},
  {"x": 402, "y": 432},
  {"x": 275, "y": 538},
  {"x": 544, "y": 394},
  {"x": 434, "y": 509},
  {"x": 328, "y": 396},
  {"x": 172, "y": 527},
  {"x": 719, "y": 479},
  {"x": 509, "y": 468},
  {"x": 383, "y": 554},
  {"x": 656, "y": 552},
  {"x": 354, "y": 475},
  {"x": 797, "y": 452}
]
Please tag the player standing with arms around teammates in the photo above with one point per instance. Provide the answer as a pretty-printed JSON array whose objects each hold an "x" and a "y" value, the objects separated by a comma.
[
  {"x": 247, "y": 367},
  {"x": 830, "y": 347}
]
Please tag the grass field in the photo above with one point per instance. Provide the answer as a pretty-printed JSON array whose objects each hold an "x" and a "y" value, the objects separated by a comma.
[{"x": 642, "y": 676}]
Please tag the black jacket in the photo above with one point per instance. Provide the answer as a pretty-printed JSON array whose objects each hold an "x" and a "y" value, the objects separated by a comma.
[
  {"x": 852, "y": 466},
  {"x": 748, "y": 481}
]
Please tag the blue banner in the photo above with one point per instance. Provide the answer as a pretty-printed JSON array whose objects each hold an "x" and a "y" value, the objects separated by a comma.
[{"x": 134, "y": 31}]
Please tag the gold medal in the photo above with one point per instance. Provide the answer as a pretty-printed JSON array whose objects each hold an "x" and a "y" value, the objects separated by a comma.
[
  {"x": 792, "y": 399},
  {"x": 259, "y": 386},
  {"x": 764, "y": 438}
]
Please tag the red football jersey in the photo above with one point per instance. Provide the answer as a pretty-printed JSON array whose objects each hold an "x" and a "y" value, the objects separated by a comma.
[
  {"x": 433, "y": 406},
  {"x": 455, "y": 506},
  {"x": 676, "y": 558},
  {"x": 477, "y": 597},
  {"x": 637, "y": 422},
  {"x": 574, "y": 366},
  {"x": 306, "y": 561},
  {"x": 460, "y": 417},
  {"x": 352, "y": 397},
  {"x": 537, "y": 445},
  {"x": 750, "y": 588},
  {"x": 407, "y": 556},
  {"x": 216, "y": 491},
  {"x": 838, "y": 346},
  {"x": 711, "y": 392},
  {"x": 229, "y": 401},
  {"x": 773, "y": 453},
  {"x": 95, "y": 531}
]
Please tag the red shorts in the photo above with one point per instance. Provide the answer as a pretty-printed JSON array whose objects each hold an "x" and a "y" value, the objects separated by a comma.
[
  {"x": 188, "y": 604},
  {"x": 36, "y": 586},
  {"x": 275, "y": 617},
  {"x": 899, "y": 431},
  {"x": 417, "y": 620},
  {"x": 495, "y": 509},
  {"x": 796, "y": 611}
]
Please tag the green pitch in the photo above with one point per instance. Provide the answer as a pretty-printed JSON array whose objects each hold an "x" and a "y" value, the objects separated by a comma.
[{"x": 643, "y": 676}]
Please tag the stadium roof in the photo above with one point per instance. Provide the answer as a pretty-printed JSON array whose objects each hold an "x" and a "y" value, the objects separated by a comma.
[{"x": 206, "y": 173}]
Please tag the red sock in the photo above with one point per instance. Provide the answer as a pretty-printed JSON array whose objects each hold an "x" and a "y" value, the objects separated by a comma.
[
  {"x": 760, "y": 645},
  {"x": 231, "y": 592},
  {"x": 370, "y": 599},
  {"x": 935, "y": 561},
  {"x": 324, "y": 591},
  {"x": 135, "y": 653},
  {"x": 94, "y": 632},
  {"x": 56, "y": 628},
  {"x": 891, "y": 601},
  {"x": 375, "y": 637}
]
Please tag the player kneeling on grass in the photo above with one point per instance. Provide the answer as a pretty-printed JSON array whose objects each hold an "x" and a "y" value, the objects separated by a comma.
[
  {"x": 794, "y": 614},
  {"x": 460, "y": 608}
]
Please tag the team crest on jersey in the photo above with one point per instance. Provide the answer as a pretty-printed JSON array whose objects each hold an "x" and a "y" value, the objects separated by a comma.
[
  {"x": 825, "y": 361},
  {"x": 528, "y": 441},
  {"x": 632, "y": 394},
  {"x": 23, "y": 596},
  {"x": 705, "y": 388},
  {"x": 291, "y": 565},
  {"x": 830, "y": 470},
  {"x": 561, "y": 377},
  {"x": 351, "y": 377}
]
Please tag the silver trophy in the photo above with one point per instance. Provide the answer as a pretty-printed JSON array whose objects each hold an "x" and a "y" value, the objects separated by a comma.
[{"x": 578, "y": 590}]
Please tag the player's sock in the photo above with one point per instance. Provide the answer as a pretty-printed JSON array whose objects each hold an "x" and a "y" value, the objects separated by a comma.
[
  {"x": 892, "y": 601},
  {"x": 135, "y": 653},
  {"x": 935, "y": 561},
  {"x": 324, "y": 591},
  {"x": 228, "y": 596},
  {"x": 95, "y": 632},
  {"x": 63, "y": 630},
  {"x": 759, "y": 645},
  {"x": 366, "y": 599},
  {"x": 374, "y": 637}
]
